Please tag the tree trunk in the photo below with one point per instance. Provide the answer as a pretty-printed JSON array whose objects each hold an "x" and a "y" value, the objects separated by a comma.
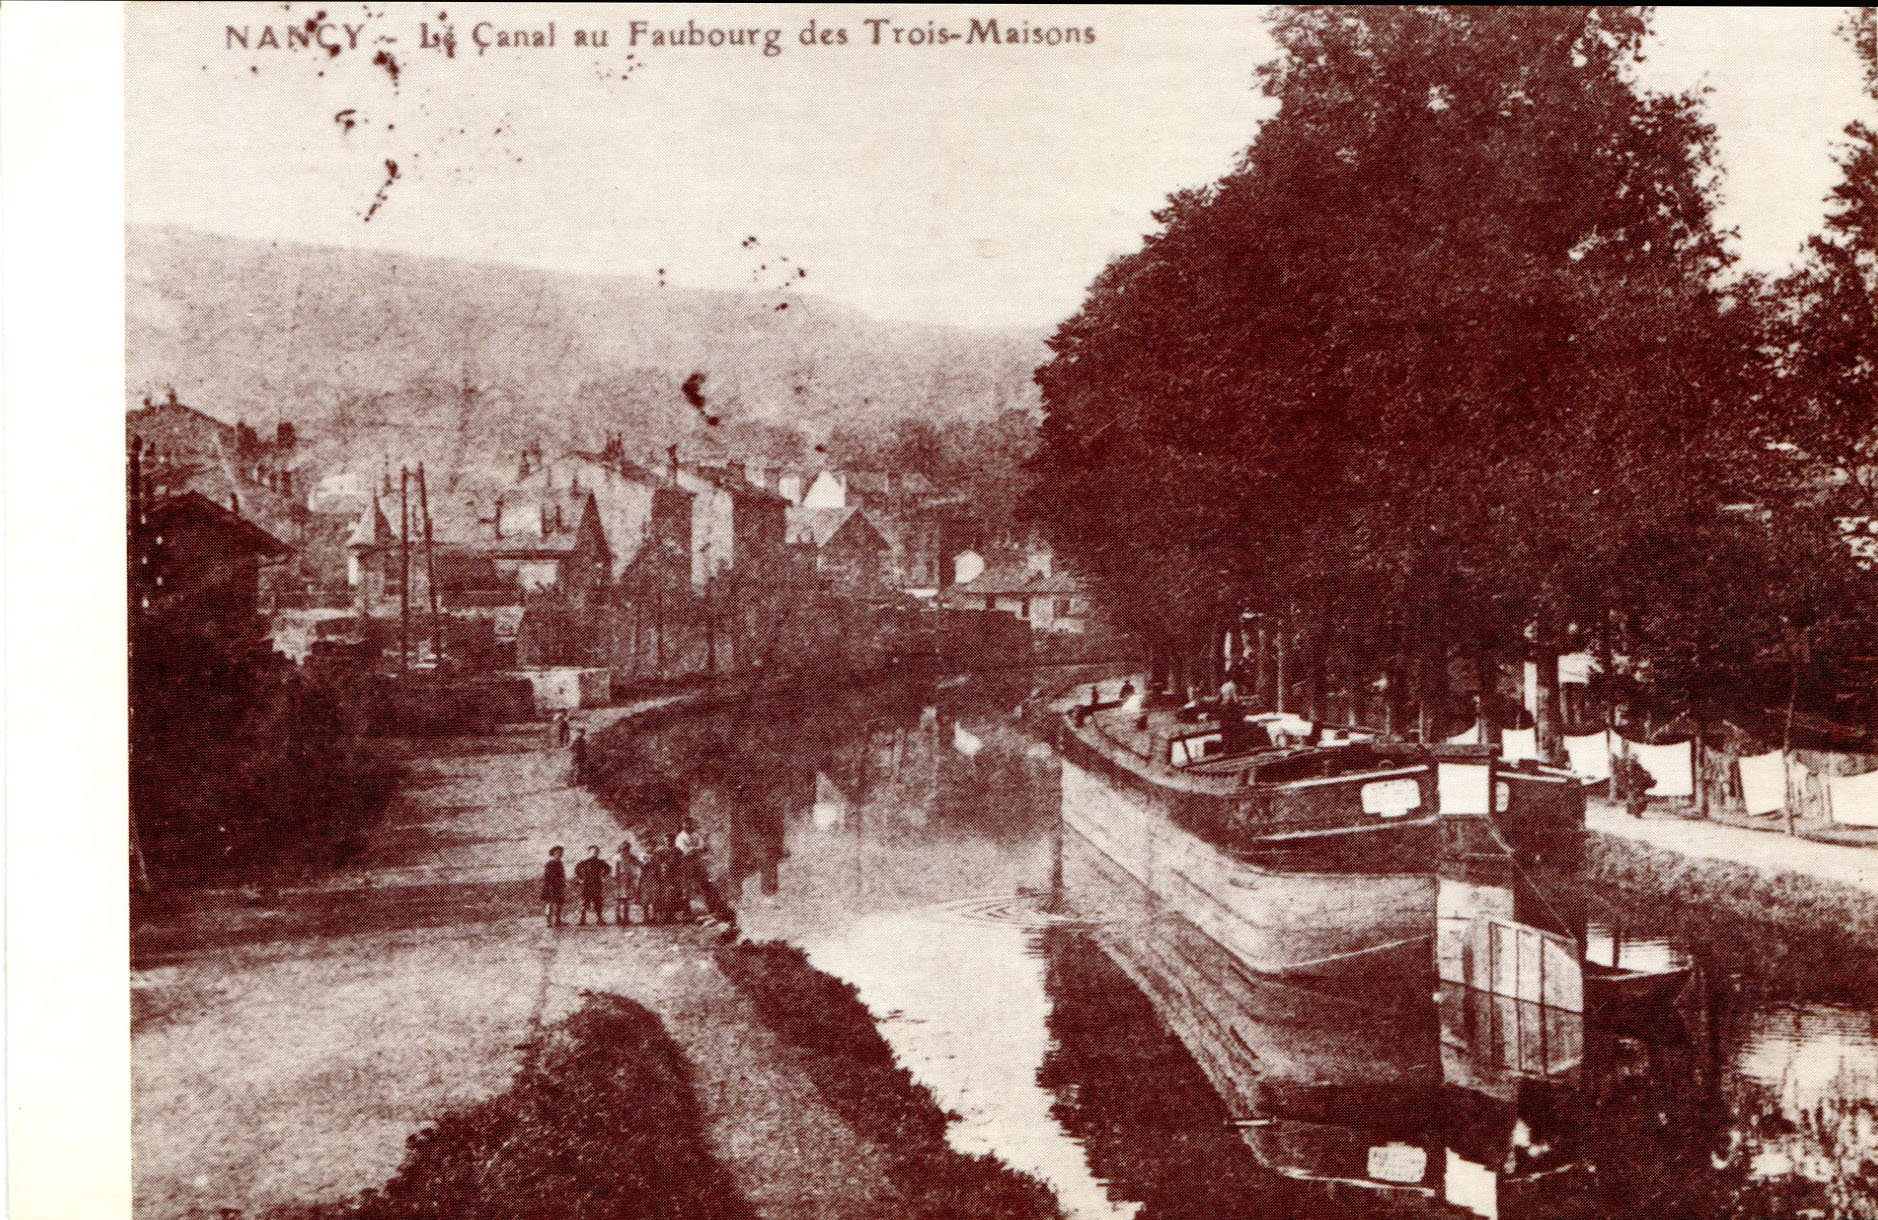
[
  {"x": 1546, "y": 715},
  {"x": 1282, "y": 679},
  {"x": 1486, "y": 673}
]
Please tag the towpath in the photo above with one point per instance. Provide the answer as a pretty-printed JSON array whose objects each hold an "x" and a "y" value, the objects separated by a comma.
[
  {"x": 284, "y": 1047},
  {"x": 1768, "y": 851}
]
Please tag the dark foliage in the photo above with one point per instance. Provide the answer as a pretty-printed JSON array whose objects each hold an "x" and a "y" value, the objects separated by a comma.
[
  {"x": 603, "y": 1121},
  {"x": 241, "y": 767}
]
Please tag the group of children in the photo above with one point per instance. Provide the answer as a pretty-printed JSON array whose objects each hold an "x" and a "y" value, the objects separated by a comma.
[{"x": 661, "y": 881}]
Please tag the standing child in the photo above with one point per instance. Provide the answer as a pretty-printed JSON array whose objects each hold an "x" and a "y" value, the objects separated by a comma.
[
  {"x": 554, "y": 887},
  {"x": 627, "y": 867}
]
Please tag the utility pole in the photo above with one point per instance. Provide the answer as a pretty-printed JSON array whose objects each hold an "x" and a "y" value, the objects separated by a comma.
[
  {"x": 404, "y": 564},
  {"x": 430, "y": 568}
]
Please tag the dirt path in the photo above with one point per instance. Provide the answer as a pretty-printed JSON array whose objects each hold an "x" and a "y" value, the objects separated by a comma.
[
  {"x": 282, "y": 1052},
  {"x": 1766, "y": 850}
]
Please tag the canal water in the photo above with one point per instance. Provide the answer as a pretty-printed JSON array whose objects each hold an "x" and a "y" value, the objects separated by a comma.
[{"x": 909, "y": 839}]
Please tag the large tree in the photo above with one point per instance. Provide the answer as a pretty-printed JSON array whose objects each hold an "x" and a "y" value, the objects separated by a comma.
[{"x": 1425, "y": 365}]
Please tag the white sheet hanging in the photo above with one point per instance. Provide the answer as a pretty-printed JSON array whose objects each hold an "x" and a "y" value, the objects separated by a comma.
[
  {"x": 1763, "y": 782},
  {"x": 1854, "y": 798},
  {"x": 1470, "y": 738},
  {"x": 1590, "y": 755},
  {"x": 1519, "y": 744},
  {"x": 1575, "y": 668},
  {"x": 1670, "y": 766}
]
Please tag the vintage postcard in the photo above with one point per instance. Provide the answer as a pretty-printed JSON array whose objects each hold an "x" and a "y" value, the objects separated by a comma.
[{"x": 1060, "y": 611}]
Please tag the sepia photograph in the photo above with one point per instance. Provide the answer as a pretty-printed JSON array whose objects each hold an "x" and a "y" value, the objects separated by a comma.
[{"x": 1056, "y": 613}]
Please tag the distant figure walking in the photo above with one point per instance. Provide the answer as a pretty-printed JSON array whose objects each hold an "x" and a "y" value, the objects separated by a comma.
[
  {"x": 592, "y": 874},
  {"x": 1633, "y": 782},
  {"x": 577, "y": 756},
  {"x": 554, "y": 888},
  {"x": 560, "y": 728}
]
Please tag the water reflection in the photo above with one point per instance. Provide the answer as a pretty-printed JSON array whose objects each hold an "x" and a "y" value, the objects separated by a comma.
[{"x": 1539, "y": 1060}]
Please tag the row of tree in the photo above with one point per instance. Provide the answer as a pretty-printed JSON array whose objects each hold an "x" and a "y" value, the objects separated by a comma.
[{"x": 1455, "y": 360}]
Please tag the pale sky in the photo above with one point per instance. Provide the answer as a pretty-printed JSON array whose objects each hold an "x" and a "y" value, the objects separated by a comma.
[{"x": 956, "y": 184}]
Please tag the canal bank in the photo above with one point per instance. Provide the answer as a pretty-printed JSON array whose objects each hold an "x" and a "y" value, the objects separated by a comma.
[
  {"x": 287, "y": 1046},
  {"x": 1824, "y": 889}
]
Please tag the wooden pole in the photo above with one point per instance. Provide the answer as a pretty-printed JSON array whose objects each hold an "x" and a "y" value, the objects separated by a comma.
[
  {"x": 404, "y": 564},
  {"x": 1786, "y": 733},
  {"x": 430, "y": 568}
]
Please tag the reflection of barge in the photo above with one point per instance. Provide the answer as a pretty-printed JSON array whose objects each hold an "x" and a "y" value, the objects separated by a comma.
[
  {"x": 1426, "y": 1097},
  {"x": 1318, "y": 858}
]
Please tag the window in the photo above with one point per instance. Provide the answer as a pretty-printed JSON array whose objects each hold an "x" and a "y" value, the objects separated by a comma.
[
  {"x": 1023, "y": 607},
  {"x": 1062, "y": 607}
]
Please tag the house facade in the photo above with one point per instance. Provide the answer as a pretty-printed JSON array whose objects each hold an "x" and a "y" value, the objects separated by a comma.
[
  {"x": 1049, "y": 601},
  {"x": 486, "y": 550},
  {"x": 635, "y": 505}
]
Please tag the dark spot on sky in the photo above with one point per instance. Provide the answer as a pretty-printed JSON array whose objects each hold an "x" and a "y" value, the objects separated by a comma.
[
  {"x": 782, "y": 307},
  {"x": 378, "y": 200},
  {"x": 389, "y": 63},
  {"x": 802, "y": 273},
  {"x": 693, "y": 390},
  {"x": 252, "y": 68},
  {"x": 333, "y": 51},
  {"x": 345, "y": 120}
]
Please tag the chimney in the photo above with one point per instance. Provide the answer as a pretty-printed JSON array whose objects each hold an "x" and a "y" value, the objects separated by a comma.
[
  {"x": 544, "y": 519},
  {"x": 737, "y": 470}
]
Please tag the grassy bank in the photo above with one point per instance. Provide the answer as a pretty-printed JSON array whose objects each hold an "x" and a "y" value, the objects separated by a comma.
[
  {"x": 601, "y": 1122},
  {"x": 1812, "y": 935},
  {"x": 854, "y": 1070}
]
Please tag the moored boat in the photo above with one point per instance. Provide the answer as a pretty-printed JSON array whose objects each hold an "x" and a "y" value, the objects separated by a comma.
[{"x": 1309, "y": 858}]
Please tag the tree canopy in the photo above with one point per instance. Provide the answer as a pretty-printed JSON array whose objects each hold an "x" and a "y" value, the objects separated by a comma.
[{"x": 1451, "y": 353}]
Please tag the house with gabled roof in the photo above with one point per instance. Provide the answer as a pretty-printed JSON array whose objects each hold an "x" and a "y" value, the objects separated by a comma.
[
  {"x": 849, "y": 548},
  {"x": 1049, "y": 600},
  {"x": 487, "y": 549}
]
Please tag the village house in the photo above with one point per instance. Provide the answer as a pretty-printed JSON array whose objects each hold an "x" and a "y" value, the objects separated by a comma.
[
  {"x": 1027, "y": 587},
  {"x": 488, "y": 550},
  {"x": 734, "y": 523},
  {"x": 266, "y": 481},
  {"x": 872, "y": 489},
  {"x": 635, "y": 505},
  {"x": 186, "y": 447},
  {"x": 198, "y": 563},
  {"x": 850, "y": 551}
]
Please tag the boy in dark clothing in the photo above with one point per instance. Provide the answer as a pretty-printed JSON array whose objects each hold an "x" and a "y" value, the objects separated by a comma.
[
  {"x": 554, "y": 887},
  {"x": 592, "y": 874}
]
